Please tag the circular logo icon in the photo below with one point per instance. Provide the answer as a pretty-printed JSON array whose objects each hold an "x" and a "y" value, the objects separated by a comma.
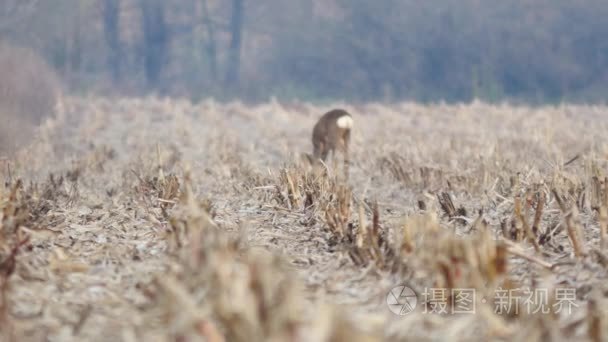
[{"x": 401, "y": 300}]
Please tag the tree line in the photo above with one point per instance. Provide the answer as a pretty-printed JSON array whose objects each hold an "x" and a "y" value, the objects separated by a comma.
[{"x": 358, "y": 50}]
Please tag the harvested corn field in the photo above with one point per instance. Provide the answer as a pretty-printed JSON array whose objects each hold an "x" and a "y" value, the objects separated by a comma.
[{"x": 163, "y": 220}]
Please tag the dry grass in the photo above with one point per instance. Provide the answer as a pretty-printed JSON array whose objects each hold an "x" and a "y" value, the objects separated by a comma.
[{"x": 156, "y": 219}]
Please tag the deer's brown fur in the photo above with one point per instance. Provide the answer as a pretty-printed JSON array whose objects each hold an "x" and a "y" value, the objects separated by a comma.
[{"x": 332, "y": 133}]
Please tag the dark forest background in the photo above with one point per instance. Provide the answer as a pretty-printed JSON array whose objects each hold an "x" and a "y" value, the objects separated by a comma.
[{"x": 534, "y": 51}]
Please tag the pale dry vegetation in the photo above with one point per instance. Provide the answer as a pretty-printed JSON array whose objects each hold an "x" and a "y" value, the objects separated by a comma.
[
  {"x": 29, "y": 93},
  {"x": 154, "y": 219}
]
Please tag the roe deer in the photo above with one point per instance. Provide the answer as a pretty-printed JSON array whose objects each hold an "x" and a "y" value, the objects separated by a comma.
[{"x": 331, "y": 133}]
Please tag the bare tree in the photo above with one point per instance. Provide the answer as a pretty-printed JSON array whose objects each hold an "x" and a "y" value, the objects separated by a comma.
[
  {"x": 234, "y": 53},
  {"x": 111, "y": 20},
  {"x": 75, "y": 41},
  {"x": 211, "y": 47},
  {"x": 156, "y": 39}
]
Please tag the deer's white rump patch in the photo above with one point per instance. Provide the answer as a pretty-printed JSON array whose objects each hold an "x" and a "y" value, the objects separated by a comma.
[{"x": 345, "y": 122}]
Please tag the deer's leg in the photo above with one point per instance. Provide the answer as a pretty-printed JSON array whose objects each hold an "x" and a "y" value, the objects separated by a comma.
[
  {"x": 334, "y": 160},
  {"x": 345, "y": 151},
  {"x": 324, "y": 154},
  {"x": 317, "y": 150},
  {"x": 346, "y": 162}
]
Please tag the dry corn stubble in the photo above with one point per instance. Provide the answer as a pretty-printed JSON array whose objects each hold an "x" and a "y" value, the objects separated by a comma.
[{"x": 150, "y": 247}]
